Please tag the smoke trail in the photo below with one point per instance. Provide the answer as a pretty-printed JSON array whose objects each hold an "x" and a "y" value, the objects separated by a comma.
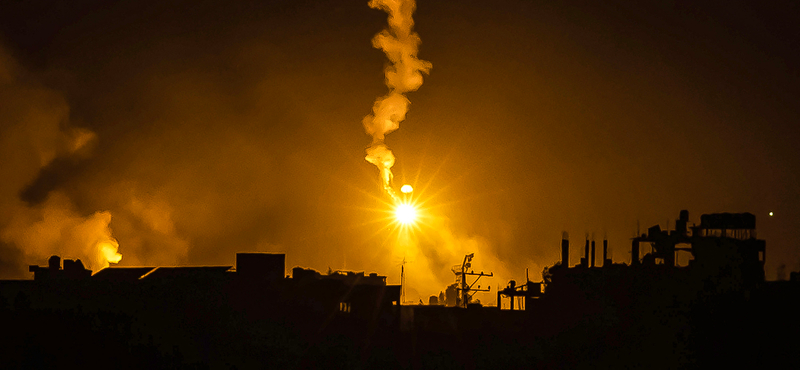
[{"x": 404, "y": 74}]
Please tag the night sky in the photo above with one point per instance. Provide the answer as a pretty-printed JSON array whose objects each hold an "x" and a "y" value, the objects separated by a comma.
[{"x": 190, "y": 130}]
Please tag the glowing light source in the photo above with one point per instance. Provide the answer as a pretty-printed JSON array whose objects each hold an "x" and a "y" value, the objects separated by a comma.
[
  {"x": 405, "y": 214},
  {"x": 405, "y": 189},
  {"x": 770, "y": 214},
  {"x": 109, "y": 251}
]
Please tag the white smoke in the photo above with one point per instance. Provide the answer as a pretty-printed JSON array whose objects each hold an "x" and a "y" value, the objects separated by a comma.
[{"x": 404, "y": 74}]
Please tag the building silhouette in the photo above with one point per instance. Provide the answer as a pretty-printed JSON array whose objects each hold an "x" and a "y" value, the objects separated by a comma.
[{"x": 648, "y": 312}]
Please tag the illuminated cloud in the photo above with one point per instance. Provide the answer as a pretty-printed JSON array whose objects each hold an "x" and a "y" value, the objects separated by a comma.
[{"x": 35, "y": 136}]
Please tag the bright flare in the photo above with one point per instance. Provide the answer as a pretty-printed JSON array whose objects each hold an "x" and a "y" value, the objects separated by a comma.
[
  {"x": 405, "y": 214},
  {"x": 108, "y": 249},
  {"x": 406, "y": 189}
]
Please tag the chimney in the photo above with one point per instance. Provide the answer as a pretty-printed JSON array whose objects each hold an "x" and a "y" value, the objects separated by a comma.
[
  {"x": 586, "y": 254},
  {"x": 605, "y": 252},
  {"x": 591, "y": 261},
  {"x": 565, "y": 249}
]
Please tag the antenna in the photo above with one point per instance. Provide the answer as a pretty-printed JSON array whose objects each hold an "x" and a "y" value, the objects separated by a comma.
[{"x": 403, "y": 279}]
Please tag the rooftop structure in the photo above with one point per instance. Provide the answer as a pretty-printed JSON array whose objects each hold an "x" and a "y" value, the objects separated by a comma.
[{"x": 646, "y": 313}]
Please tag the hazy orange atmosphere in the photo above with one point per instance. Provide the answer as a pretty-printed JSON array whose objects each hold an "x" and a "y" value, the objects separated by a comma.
[{"x": 178, "y": 132}]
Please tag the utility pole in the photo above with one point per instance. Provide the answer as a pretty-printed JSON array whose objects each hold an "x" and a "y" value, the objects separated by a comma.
[{"x": 463, "y": 287}]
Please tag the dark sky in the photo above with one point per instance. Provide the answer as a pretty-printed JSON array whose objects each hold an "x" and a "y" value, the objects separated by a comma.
[{"x": 203, "y": 128}]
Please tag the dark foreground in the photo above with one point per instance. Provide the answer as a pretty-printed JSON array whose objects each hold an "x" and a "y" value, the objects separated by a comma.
[{"x": 217, "y": 324}]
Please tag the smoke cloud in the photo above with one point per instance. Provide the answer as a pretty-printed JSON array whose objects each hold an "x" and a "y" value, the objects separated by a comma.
[
  {"x": 37, "y": 140},
  {"x": 404, "y": 74}
]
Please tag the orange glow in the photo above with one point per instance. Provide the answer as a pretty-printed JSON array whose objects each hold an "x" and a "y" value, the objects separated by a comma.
[
  {"x": 405, "y": 213},
  {"x": 405, "y": 189},
  {"x": 108, "y": 250}
]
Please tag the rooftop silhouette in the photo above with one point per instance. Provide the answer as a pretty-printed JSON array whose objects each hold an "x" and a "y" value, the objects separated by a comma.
[{"x": 644, "y": 313}]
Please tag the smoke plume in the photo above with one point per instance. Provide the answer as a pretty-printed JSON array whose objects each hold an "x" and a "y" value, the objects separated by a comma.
[
  {"x": 404, "y": 74},
  {"x": 35, "y": 139}
]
